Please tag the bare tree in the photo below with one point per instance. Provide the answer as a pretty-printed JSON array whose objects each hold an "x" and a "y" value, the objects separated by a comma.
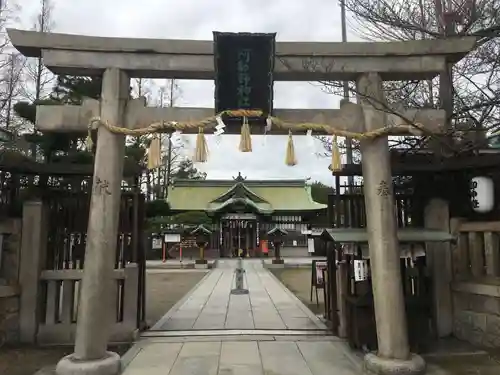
[
  {"x": 169, "y": 93},
  {"x": 470, "y": 92},
  {"x": 9, "y": 14},
  {"x": 10, "y": 88},
  {"x": 475, "y": 81},
  {"x": 142, "y": 87},
  {"x": 155, "y": 182},
  {"x": 38, "y": 79},
  {"x": 11, "y": 64}
]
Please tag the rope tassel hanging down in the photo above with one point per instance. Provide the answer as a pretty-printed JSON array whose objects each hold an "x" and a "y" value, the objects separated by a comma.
[
  {"x": 88, "y": 141},
  {"x": 201, "y": 150},
  {"x": 336, "y": 164},
  {"x": 154, "y": 153},
  {"x": 246, "y": 138},
  {"x": 290, "y": 158}
]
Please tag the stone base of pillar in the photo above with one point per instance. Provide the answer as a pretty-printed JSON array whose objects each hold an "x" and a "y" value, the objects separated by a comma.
[
  {"x": 384, "y": 366},
  {"x": 201, "y": 261},
  {"x": 278, "y": 261},
  {"x": 70, "y": 365}
]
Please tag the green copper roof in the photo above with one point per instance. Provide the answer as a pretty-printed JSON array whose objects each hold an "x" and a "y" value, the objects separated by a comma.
[
  {"x": 263, "y": 196},
  {"x": 263, "y": 208}
]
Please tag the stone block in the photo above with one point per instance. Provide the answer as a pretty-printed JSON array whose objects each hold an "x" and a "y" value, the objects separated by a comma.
[
  {"x": 461, "y": 301},
  {"x": 9, "y": 320},
  {"x": 491, "y": 341},
  {"x": 493, "y": 325},
  {"x": 483, "y": 304},
  {"x": 479, "y": 321},
  {"x": 382, "y": 366},
  {"x": 10, "y": 259}
]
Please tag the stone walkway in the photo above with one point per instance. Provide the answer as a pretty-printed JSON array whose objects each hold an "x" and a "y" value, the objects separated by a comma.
[
  {"x": 213, "y": 332},
  {"x": 269, "y": 305}
]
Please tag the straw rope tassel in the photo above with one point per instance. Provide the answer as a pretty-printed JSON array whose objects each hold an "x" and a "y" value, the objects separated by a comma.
[
  {"x": 290, "y": 158},
  {"x": 336, "y": 164},
  {"x": 154, "y": 153},
  {"x": 246, "y": 138},
  {"x": 201, "y": 150},
  {"x": 89, "y": 142}
]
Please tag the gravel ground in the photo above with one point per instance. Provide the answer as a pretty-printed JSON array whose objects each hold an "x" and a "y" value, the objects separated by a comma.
[
  {"x": 298, "y": 280},
  {"x": 164, "y": 289}
]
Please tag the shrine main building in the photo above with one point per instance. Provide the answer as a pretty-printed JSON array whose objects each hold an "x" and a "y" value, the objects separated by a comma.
[{"x": 245, "y": 210}]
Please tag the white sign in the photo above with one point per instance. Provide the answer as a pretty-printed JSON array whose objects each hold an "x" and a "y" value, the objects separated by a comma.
[
  {"x": 172, "y": 237},
  {"x": 482, "y": 193},
  {"x": 310, "y": 245},
  {"x": 157, "y": 243},
  {"x": 294, "y": 242},
  {"x": 360, "y": 270},
  {"x": 320, "y": 266}
]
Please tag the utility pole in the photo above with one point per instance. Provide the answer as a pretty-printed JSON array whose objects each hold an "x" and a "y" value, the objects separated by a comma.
[
  {"x": 158, "y": 181},
  {"x": 348, "y": 141},
  {"x": 11, "y": 83},
  {"x": 168, "y": 171}
]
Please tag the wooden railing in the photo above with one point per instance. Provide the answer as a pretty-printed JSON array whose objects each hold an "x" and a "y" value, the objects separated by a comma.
[
  {"x": 60, "y": 304},
  {"x": 476, "y": 253}
]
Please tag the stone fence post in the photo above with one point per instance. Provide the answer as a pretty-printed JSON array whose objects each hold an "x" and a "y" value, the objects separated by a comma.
[
  {"x": 437, "y": 216},
  {"x": 33, "y": 257}
]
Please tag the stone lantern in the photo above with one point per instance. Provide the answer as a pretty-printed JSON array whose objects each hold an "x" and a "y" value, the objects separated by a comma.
[
  {"x": 202, "y": 235},
  {"x": 276, "y": 236}
]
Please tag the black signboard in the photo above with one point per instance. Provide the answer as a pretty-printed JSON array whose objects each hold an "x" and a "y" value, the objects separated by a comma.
[{"x": 244, "y": 64}]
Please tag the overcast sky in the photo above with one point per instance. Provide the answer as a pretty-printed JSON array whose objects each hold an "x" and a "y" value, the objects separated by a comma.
[{"x": 311, "y": 20}]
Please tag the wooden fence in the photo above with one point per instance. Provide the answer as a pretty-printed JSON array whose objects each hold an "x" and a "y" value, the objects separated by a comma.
[
  {"x": 476, "y": 254},
  {"x": 61, "y": 290}
]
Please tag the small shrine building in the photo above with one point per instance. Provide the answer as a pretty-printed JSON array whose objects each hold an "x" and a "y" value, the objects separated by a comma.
[{"x": 243, "y": 211}]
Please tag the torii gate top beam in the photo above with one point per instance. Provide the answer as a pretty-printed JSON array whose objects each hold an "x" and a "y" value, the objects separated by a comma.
[{"x": 193, "y": 59}]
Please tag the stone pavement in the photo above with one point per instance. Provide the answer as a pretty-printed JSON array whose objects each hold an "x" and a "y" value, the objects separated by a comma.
[
  {"x": 175, "y": 264},
  {"x": 269, "y": 305},
  {"x": 212, "y": 332}
]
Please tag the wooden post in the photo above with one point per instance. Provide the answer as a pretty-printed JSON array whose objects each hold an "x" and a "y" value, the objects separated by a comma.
[
  {"x": 92, "y": 333},
  {"x": 390, "y": 314}
]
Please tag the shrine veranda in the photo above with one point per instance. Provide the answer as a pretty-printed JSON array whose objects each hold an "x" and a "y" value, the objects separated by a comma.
[{"x": 371, "y": 120}]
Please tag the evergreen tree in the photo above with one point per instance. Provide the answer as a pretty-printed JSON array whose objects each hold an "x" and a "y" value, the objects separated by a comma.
[
  {"x": 187, "y": 171},
  {"x": 57, "y": 146}
]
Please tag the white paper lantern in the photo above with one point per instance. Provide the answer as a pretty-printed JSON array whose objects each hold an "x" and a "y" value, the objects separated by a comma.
[{"x": 482, "y": 194}]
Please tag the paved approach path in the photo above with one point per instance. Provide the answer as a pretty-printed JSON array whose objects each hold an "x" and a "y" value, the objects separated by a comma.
[{"x": 213, "y": 332}]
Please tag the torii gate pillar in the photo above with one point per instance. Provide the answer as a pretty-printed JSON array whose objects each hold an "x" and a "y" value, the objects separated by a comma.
[
  {"x": 97, "y": 302},
  {"x": 393, "y": 354}
]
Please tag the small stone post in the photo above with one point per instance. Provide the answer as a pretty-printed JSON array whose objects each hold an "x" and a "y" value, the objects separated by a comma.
[
  {"x": 32, "y": 261},
  {"x": 97, "y": 304},
  {"x": 238, "y": 278},
  {"x": 393, "y": 348}
]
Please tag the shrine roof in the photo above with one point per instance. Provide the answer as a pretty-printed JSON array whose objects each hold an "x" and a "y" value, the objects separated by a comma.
[{"x": 264, "y": 196}]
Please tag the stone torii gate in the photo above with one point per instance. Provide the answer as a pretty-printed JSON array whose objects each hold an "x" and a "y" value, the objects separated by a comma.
[{"x": 118, "y": 59}]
